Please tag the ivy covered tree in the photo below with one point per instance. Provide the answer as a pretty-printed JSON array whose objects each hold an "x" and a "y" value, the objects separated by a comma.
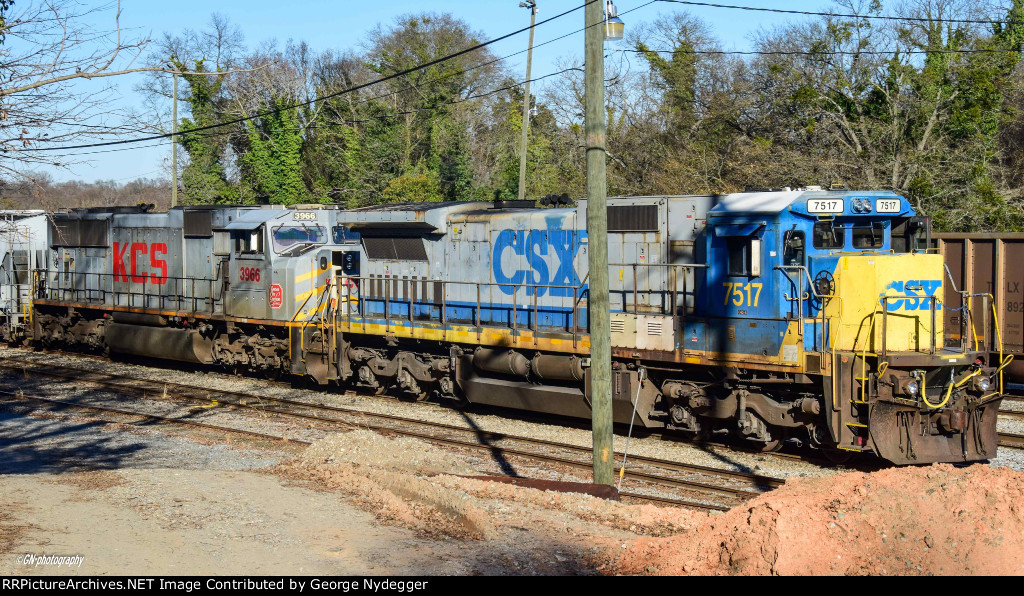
[
  {"x": 272, "y": 163},
  {"x": 204, "y": 178}
]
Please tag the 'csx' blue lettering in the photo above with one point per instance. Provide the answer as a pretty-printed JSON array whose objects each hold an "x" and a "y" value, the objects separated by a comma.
[
  {"x": 913, "y": 287},
  {"x": 534, "y": 246}
]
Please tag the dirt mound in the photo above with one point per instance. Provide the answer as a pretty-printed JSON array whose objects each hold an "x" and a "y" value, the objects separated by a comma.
[
  {"x": 369, "y": 448},
  {"x": 917, "y": 521},
  {"x": 384, "y": 475}
]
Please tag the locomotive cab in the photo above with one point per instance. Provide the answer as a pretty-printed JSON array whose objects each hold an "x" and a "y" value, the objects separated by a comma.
[{"x": 855, "y": 304}]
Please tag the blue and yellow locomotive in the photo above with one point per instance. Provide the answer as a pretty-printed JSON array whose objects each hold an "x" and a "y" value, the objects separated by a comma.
[{"x": 810, "y": 315}]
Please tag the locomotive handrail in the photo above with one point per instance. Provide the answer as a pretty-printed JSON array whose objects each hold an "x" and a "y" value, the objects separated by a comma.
[
  {"x": 66, "y": 282},
  {"x": 884, "y": 301},
  {"x": 513, "y": 323},
  {"x": 674, "y": 282}
]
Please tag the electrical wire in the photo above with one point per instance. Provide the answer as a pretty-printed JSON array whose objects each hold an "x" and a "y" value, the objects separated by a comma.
[
  {"x": 841, "y": 15},
  {"x": 352, "y": 89},
  {"x": 820, "y": 52}
]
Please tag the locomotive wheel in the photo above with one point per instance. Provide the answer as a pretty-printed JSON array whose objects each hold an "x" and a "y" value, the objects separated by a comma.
[
  {"x": 773, "y": 445},
  {"x": 837, "y": 457}
]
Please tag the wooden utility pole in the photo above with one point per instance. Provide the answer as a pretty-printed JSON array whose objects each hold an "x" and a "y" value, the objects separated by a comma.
[
  {"x": 597, "y": 242},
  {"x": 532, "y": 5}
]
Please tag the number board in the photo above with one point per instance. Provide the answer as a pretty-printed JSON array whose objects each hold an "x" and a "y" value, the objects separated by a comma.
[
  {"x": 888, "y": 205},
  {"x": 304, "y": 216},
  {"x": 825, "y": 205}
]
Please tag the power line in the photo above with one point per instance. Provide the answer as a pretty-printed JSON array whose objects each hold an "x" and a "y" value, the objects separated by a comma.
[
  {"x": 206, "y": 133},
  {"x": 820, "y": 52},
  {"x": 506, "y": 57},
  {"x": 197, "y": 131},
  {"x": 382, "y": 116},
  {"x": 842, "y": 15},
  {"x": 324, "y": 97}
]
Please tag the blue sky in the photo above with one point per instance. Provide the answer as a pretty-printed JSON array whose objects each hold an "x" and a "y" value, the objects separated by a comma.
[{"x": 343, "y": 24}]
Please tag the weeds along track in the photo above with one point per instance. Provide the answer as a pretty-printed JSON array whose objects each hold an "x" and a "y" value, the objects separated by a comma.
[{"x": 699, "y": 486}]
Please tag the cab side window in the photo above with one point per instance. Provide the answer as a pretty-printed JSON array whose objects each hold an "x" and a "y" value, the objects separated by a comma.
[
  {"x": 249, "y": 242},
  {"x": 794, "y": 248},
  {"x": 744, "y": 256}
]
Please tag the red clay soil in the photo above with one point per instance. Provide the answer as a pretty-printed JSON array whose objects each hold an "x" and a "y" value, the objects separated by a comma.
[{"x": 907, "y": 521}]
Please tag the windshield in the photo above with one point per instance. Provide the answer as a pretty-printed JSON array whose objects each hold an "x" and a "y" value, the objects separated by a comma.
[
  {"x": 829, "y": 235},
  {"x": 287, "y": 238},
  {"x": 869, "y": 237}
]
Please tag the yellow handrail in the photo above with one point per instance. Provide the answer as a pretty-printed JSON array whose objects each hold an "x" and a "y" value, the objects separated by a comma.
[{"x": 999, "y": 338}]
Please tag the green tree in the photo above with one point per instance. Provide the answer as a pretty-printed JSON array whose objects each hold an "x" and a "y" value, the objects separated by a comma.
[
  {"x": 204, "y": 177},
  {"x": 272, "y": 165}
]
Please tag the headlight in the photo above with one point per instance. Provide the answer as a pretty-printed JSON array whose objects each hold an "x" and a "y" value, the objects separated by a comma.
[
  {"x": 912, "y": 387},
  {"x": 984, "y": 384}
]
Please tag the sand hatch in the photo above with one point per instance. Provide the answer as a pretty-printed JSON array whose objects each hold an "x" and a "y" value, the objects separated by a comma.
[{"x": 904, "y": 521}]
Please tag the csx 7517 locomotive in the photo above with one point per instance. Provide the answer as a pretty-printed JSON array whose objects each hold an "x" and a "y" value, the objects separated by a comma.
[{"x": 812, "y": 315}]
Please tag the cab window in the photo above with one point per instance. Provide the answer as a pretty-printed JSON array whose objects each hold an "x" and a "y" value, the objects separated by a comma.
[
  {"x": 744, "y": 256},
  {"x": 869, "y": 237},
  {"x": 289, "y": 237},
  {"x": 249, "y": 242},
  {"x": 828, "y": 235},
  {"x": 793, "y": 248}
]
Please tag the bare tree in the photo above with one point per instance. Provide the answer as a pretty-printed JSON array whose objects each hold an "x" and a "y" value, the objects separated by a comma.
[{"x": 49, "y": 48}]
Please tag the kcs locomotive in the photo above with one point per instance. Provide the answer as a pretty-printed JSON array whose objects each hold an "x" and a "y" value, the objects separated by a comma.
[{"x": 812, "y": 315}]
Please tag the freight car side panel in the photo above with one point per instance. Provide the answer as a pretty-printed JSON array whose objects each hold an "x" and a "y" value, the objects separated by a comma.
[
  {"x": 953, "y": 254},
  {"x": 987, "y": 264},
  {"x": 1011, "y": 276}
]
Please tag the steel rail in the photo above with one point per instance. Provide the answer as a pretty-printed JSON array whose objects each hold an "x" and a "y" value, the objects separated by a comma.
[
  {"x": 1011, "y": 440},
  {"x": 152, "y": 417},
  {"x": 170, "y": 420},
  {"x": 216, "y": 396}
]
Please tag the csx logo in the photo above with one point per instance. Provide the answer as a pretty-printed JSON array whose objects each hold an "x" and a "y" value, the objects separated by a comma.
[
  {"x": 134, "y": 252},
  {"x": 913, "y": 287},
  {"x": 535, "y": 245}
]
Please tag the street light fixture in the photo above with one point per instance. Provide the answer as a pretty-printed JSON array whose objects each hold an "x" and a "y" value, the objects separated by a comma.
[{"x": 613, "y": 25}]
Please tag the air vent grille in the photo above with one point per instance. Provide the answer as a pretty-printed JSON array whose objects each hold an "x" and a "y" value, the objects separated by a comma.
[
  {"x": 633, "y": 218},
  {"x": 393, "y": 249}
]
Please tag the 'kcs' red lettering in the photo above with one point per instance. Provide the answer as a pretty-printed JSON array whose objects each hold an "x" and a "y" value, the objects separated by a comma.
[
  {"x": 122, "y": 273},
  {"x": 158, "y": 264}
]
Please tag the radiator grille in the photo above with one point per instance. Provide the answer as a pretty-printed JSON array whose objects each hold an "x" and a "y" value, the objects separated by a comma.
[
  {"x": 629, "y": 218},
  {"x": 65, "y": 231},
  {"x": 198, "y": 224},
  {"x": 393, "y": 249},
  {"x": 618, "y": 326},
  {"x": 654, "y": 328}
]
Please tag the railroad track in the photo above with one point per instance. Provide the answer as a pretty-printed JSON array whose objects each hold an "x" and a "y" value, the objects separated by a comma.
[
  {"x": 731, "y": 486},
  {"x": 754, "y": 483},
  {"x": 1011, "y": 440}
]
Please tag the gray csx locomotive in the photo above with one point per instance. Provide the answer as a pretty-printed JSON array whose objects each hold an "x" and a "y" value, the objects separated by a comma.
[{"x": 812, "y": 315}]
